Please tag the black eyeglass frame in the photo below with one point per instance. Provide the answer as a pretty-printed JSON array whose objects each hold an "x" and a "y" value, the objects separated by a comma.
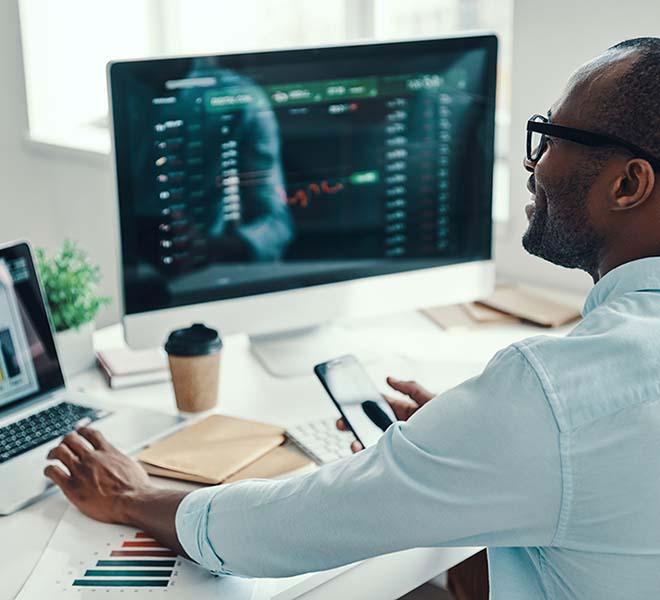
[{"x": 579, "y": 136}]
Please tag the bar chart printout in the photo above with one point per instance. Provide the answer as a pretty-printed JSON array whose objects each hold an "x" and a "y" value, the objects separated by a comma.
[
  {"x": 86, "y": 559},
  {"x": 139, "y": 562}
]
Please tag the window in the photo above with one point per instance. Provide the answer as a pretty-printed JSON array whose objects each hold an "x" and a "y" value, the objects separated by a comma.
[{"x": 66, "y": 46}]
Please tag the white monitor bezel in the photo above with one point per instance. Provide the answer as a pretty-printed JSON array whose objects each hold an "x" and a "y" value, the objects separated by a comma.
[{"x": 306, "y": 307}]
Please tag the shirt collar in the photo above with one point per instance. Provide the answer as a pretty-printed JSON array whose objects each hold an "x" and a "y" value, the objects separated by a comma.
[{"x": 642, "y": 274}]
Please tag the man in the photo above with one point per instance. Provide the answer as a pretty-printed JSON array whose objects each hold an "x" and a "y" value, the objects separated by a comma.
[
  {"x": 237, "y": 219},
  {"x": 550, "y": 458}
]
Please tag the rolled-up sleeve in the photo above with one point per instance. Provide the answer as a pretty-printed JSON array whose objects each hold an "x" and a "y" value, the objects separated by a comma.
[{"x": 478, "y": 465}]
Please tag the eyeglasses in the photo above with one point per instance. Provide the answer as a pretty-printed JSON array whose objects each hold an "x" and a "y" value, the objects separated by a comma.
[{"x": 539, "y": 129}]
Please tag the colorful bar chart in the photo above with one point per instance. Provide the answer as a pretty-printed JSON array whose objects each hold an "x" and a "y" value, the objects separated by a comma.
[
  {"x": 81, "y": 563},
  {"x": 132, "y": 565}
]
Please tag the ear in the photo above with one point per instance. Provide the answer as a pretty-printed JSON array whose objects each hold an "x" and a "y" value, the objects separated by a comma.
[{"x": 634, "y": 186}]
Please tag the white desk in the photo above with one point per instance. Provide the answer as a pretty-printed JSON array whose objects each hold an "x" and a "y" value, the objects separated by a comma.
[{"x": 413, "y": 347}]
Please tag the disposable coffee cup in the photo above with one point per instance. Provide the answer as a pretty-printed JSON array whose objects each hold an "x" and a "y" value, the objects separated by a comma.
[{"x": 194, "y": 357}]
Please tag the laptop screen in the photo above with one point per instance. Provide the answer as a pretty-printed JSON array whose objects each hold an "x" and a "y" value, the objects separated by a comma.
[{"x": 28, "y": 359}]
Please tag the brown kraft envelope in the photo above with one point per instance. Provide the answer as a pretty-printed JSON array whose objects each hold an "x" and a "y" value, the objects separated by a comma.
[
  {"x": 279, "y": 461},
  {"x": 212, "y": 449}
]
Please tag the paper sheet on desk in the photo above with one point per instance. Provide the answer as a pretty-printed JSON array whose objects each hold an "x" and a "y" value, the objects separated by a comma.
[{"x": 85, "y": 558}]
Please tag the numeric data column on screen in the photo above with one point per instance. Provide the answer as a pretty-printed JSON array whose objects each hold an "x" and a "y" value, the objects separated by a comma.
[
  {"x": 396, "y": 176},
  {"x": 229, "y": 180},
  {"x": 444, "y": 133}
]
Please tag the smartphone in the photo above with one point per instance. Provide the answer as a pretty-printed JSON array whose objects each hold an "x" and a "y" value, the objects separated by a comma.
[{"x": 363, "y": 408}]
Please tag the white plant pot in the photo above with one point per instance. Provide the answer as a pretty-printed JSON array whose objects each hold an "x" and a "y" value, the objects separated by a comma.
[{"x": 76, "y": 349}]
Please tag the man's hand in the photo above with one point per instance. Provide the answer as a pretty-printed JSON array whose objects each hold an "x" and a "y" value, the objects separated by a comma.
[
  {"x": 109, "y": 486},
  {"x": 417, "y": 396},
  {"x": 403, "y": 408},
  {"x": 100, "y": 478}
]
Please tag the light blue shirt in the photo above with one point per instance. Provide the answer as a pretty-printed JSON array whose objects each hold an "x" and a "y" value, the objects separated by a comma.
[{"x": 550, "y": 458}]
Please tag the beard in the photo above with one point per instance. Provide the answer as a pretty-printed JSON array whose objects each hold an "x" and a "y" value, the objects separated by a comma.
[{"x": 560, "y": 230}]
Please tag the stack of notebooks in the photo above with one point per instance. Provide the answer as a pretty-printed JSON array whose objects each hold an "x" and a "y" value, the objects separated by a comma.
[
  {"x": 123, "y": 367},
  {"x": 222, "y": 449}
]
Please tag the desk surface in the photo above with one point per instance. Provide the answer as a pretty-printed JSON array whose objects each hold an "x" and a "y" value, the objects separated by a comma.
[{"x": 411, "y": 347}]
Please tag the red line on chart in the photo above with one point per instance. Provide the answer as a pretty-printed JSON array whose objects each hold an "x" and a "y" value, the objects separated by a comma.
[
  {"x": 304, "y": 196},
  {"x": 152, "y": 553},
  {"x": 141, "y": 544}
]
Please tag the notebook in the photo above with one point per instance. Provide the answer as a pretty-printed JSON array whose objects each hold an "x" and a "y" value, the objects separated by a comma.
[{"x": 123, "y": 367}]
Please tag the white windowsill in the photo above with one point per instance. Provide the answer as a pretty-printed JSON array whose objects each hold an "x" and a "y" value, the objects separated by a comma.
[{"x": 90, "y": 144}]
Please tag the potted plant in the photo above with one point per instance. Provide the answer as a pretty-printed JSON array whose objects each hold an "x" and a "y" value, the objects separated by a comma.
[{"x": 70, "y": 280}]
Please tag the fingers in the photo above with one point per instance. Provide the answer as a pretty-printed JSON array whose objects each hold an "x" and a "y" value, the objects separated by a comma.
[
  {"x": 356, "y": 446},
  {"x": 412, "y": 389},
  {"x": 76, "y": 444},
  {"x": 64, "y": 454},
  {"x": 95, "y": 438},
  {"x": 403, "y": 408},
  {"x": 57, "y": 476},
  {"x": 75, "y": 447}
]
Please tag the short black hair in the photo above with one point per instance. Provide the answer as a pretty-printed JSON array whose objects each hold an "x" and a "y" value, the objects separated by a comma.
[{"x": 632, "y": 112}]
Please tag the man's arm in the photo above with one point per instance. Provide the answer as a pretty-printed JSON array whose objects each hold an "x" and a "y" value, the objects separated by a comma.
[
  {"x": 109, "y": 486},
  {"x": 478, "y": 465}
]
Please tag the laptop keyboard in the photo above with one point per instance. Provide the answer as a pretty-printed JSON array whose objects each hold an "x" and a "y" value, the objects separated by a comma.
[{"x": 24, "y": 435}]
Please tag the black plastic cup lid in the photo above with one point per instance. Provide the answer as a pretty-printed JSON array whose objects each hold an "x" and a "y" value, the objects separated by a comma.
[{"x": 196, "y": 340}]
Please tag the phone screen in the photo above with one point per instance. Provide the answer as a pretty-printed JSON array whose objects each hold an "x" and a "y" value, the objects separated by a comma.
[{"x": 356, "y": 397}]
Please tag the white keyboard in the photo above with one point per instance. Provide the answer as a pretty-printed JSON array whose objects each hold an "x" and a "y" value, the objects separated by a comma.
[{"x": 321, "y": 440}]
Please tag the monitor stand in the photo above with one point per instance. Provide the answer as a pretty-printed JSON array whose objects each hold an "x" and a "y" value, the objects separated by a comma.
[{"x": 295, "y": 352}]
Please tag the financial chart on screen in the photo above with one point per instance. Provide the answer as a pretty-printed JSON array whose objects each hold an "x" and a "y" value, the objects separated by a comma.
[
  {"x": 260, "y": 174},
  {"x": 18, "y": 377}
]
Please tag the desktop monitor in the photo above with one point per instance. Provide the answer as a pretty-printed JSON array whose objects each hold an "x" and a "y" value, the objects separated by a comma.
[{"x": 271, "y": 192}]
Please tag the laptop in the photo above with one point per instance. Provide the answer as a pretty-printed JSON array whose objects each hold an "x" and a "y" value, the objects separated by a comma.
[{"x": 36, "y": 408}]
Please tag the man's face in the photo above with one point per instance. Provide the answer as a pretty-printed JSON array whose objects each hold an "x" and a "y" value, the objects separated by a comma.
[{"x": 560, "y": 228}]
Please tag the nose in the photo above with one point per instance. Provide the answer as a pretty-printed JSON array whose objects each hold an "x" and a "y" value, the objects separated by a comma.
[{"x": 529, "y": 165}]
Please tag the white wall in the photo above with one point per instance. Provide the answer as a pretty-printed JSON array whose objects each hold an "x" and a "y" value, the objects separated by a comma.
[
  {"x": 551, "y": 39},
  {"x": 47, "y": 196}
]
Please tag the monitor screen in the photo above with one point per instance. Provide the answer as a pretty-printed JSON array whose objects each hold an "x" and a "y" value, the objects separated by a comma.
[
  {"x": 253, "y": 173},
  {"x": 28, "y": 359}
]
